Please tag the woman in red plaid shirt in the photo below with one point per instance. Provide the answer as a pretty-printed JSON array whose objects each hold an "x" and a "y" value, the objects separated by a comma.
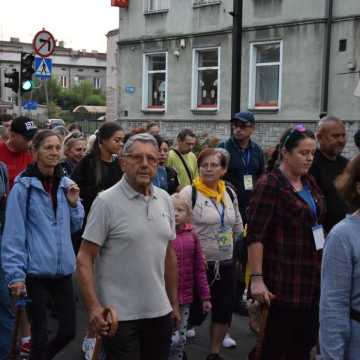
[{"x": 285, "y": 241}]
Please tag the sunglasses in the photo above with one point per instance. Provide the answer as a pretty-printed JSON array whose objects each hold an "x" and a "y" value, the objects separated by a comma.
[
  {"x": 297, "y": 129},
  {"x": 74, "y": 135}
]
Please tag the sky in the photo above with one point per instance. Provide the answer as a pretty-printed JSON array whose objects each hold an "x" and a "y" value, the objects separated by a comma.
[{"x": 81, "y": 24}]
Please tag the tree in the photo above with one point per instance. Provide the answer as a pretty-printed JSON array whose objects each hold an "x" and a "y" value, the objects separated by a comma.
[
  {"x": 82, "y": 93},
  {"x": 54, "y": 90}
]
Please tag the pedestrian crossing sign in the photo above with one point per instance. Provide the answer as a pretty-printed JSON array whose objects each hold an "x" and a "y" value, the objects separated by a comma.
[{"x": 43, "y": 67}]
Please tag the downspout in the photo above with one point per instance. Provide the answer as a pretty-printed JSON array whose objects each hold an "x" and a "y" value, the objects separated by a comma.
[
  {"x": 326, "y": 60},
  {"x": 237, "y": 14}
]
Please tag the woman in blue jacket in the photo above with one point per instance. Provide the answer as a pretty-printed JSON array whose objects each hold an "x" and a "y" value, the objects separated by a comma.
[
  {"x": 43, "y": 209},
  {"x": 340, "y": 278}
]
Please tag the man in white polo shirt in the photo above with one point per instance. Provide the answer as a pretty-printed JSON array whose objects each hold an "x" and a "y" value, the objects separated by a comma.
[{"x": 129, "y": 232}]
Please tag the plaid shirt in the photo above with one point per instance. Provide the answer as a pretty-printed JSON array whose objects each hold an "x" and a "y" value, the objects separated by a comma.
[{"x": 282, "y": 221}]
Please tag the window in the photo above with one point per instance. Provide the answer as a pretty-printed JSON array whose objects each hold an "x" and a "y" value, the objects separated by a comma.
[
  {"x": 97, "y": 83},
  {"x": 265, "y": 75},
  {"x": 156, "y": 5},
  {"x": 155, "y": 81},
  {"x": 63, "y": 81},
  {"x": 206, "y": 79}
]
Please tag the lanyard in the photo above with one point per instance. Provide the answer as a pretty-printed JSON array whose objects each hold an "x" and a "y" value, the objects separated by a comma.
[
  {"x": 245, "y": 158},
  {"x": 221, "y": 213},
  {"x": 310, "y": 201}
]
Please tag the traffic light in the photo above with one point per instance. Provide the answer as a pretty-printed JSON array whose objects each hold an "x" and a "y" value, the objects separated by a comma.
[
  {"x": 26, "y": 71},
  {"x": 13, "y": 82}
]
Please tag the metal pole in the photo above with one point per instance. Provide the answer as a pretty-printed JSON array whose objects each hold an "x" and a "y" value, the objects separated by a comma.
[
  {"x": 327, "y": 55},
  {"x": 236, "y": 56}
]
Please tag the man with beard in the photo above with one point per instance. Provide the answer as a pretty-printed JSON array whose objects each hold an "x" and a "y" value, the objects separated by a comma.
[{"x": 328, "y": 165}]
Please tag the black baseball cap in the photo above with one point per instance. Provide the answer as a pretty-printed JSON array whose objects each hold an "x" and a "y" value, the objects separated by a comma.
[
  {"x": 245, "y": 117},
  {"x": 24, "y": 126}
]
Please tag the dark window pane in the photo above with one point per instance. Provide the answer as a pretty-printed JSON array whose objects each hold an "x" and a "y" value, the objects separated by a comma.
[
  {"x": 157, "y": 62},
  {"x": 208, "y": 58},
  {"x": 156, "y": 90},
  {"x": 268, "y": 53},
  {"x": 207, "y": 88},
  {"x": 267, "y": 86}
]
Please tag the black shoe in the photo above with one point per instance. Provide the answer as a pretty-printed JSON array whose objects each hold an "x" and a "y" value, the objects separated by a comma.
[{"x": 214, "y": 357}]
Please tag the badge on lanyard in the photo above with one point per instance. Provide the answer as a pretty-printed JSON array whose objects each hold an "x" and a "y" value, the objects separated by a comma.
[
  {"x": 319, "y": 236},
  {"x": 248, "y": 182},
  {"x": 224, "y": 238}
]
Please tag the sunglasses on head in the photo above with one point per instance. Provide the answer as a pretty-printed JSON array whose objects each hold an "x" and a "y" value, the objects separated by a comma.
[
  {"x": 74, "y": 135},
  {"x": 297, "y": 129}
]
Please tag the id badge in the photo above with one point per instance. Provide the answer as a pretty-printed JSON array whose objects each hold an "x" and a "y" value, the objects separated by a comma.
[
  {"x": 248, "y": 182},
  {"x": 319, "y": 236},
  {"x": 224, "y": 238}
]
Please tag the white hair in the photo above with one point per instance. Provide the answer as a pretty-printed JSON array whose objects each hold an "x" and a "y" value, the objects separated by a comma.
[{"x": 143, "y": 137}]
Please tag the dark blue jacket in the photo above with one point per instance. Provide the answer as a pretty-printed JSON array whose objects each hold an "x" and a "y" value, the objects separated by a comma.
[{"x": 237, "y": 170}]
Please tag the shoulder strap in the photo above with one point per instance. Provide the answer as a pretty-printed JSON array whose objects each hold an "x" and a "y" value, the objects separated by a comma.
[
  {"x": 231, "y": 193},
  {"x": 229, "y": 190},
  {"x": 184, "y": 163},
  {"x": 193, "y": 196}
]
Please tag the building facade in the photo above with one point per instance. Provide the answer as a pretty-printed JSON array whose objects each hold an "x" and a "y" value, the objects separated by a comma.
[
  {"x": 69, "y": 66},
  {"x": 175, "y": 64}
]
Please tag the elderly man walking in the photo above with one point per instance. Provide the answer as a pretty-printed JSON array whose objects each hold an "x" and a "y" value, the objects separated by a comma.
[{"x": 129, "y": 231}]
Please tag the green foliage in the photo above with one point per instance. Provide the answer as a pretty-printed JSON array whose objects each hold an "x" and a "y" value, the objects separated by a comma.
[
  {"x": 54, "y": 110},
  {"x": 67, "y": 99}
]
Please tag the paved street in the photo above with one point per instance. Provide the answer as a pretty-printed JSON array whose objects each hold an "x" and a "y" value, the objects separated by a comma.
[{"x": 196, "y": 350}]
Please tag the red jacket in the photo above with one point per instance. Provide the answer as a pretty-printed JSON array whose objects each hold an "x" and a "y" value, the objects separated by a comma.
[{"x": 191, "y": 266}]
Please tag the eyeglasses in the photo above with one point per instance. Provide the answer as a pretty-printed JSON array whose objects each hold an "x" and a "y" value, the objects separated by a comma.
[
  {"x": 139, "y": 158},
  {"x": 298, "y": 128},
  {"x": 211, "y": 166},
  {"x": 242, "y": 125}
]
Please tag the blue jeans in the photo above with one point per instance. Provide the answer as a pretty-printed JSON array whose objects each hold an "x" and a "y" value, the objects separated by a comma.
[{"x": 7, "y": 319}]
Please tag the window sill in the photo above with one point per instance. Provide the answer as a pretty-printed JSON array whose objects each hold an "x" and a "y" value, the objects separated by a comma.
[
  {"x": 198, "y": 4},
  {"x": 212, "y": 111},
  {"x": 155, "y": 110},
  {"x": 264, "y": 110},
  {"x": 155, "y": 12}
]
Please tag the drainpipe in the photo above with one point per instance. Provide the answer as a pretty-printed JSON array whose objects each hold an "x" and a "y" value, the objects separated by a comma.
[
  {"x": 237, "y": 14},
  {"x": 327, "y": 55}
]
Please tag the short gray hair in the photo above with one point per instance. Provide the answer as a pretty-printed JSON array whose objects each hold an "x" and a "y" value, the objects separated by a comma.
[
  {"x": 328, "y": 119},
  {"x": 143, "y": 137}
]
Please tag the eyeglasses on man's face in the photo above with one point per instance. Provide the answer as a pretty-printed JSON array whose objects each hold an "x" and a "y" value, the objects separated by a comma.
[{"x": 140, "y": 158}]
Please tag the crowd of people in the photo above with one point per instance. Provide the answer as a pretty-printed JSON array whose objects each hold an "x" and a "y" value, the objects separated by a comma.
[{"x": 156, "y": 237}]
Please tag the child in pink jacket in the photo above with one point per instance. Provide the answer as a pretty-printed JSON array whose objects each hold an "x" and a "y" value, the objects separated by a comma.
[{"x": 191, "y": 272}]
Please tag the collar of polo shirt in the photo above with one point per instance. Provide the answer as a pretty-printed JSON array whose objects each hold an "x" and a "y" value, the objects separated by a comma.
[{"x": 131, "y": 193}]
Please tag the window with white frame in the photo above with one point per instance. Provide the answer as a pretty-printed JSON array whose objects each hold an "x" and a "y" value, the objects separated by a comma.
[
  {"x": 205, "y": 79},
  {"x": 156, "y": 5},
  {"x": 63, "y": 81},
  {"x": 155, "y": 81},
  {"x": 97, "y": 83},
  {"x": 265, "y": 75}
]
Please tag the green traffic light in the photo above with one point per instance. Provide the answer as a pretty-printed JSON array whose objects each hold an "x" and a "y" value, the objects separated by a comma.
[{"x": 26, "y": 85}]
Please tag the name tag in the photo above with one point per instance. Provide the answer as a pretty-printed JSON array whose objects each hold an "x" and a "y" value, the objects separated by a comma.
[
  {"x": 319, "y": 236},
  {"x": 248, "y": 182},
  {"x": 224, "y": 238}
]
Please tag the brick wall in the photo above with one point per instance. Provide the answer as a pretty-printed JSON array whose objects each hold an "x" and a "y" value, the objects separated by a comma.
[{"x": 267, "y": 134}]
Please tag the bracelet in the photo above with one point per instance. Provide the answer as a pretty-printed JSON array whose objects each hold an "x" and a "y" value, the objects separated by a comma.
[{"x": 255, "y": 275}]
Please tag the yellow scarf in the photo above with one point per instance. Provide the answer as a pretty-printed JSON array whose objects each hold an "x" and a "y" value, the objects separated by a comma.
[{"x": 217, "y": 195}]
